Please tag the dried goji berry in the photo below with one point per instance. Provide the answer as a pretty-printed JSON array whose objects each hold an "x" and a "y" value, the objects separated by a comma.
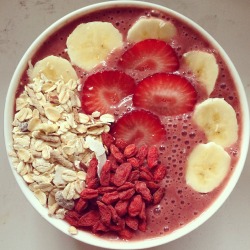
[
  {"x": 107, "y": 139},
  {"x": 152, "y": 157},
  {"x": 116, "y": 153},
  {"x": 142, "y": 188},
  {"x": 89, "y": 219},
  {"x": 142, "y": 153},
  {"x": 89, "y": 193},
  {"x": 135, "y": 205},
  {"x": 81, "y": 204},
  {"x": 121, "y": 207},
  {"x": 120, "y": 143},
  {"x": 122, "y": 173},
  {"x": 114, "y": 216},
  {"x": 159, "y": 173},
  {"x": 105, "y": 213},
  {"x": 134, "y": 162},
  {"x": 99, "y": 227},
  {"x": 158, "y": 195},
  {"x": 130, "y": 150},
  {"x": 126, "y": 186},
  {"x": 126, "y": 234},
  {"x": 145, "y": 174},
  {"x": 153, "y": 186},
  {"x": 142, "y": 214},
  {"x": 126, "y": 194},
  {"x": 134, "y": 176},
  {"x": 105, "y": 174},
  {"x": 118, "y": 226},
  {"x": 93, "y": 183},
  {"x": 142, "y": 225},
  {"x": 132, "y": 222},
  {"x": 72, "y": 217},
  {"x": 92, "y": 170},
  {"x": 109, "y": 198},
  {"x": 103, "y": 190}
]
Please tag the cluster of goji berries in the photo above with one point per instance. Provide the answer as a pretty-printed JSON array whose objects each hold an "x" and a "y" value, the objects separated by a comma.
[{"x": 116, "y": 201}]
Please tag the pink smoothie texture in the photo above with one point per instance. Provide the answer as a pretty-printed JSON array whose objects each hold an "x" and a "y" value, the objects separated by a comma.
[{"x": 181, "y": 204}]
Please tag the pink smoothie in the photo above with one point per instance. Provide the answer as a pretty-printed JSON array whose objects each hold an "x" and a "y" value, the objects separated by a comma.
[{"x": 181, "y": 204}]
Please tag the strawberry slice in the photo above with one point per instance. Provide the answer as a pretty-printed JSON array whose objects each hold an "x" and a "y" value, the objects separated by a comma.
[
  {"x": 165, "y": 94},
  {"x": 151, "y": 55},
  {"x": 139, "y": 127},
  {"x": 102, "y": 91}
]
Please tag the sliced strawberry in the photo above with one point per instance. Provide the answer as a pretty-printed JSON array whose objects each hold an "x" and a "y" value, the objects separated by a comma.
[
  {"x": 102, "y": 91},
  {"x": 151, "y": 54},
  {"x": 139, "y": 127},
  {"x": 165, "y": 94}
]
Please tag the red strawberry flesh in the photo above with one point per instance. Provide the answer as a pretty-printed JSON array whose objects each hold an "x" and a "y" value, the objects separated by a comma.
[
  {"x": 165, "y": 94},
  {"x": 139, "y": 127},
  {"x": 151, "y": 54},
  {"x": 104, "y": 90}
]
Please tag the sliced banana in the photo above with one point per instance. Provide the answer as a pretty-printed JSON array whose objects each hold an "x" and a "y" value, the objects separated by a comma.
[
  {"x": 151, "y": 28},
  {"x": 90, "y": 43},
  {"x": 207, "y": 166},
  {"x": 54, "y": 68},
  {"x": 218, "y": 120},
  {"x": 204, "y": 67}
]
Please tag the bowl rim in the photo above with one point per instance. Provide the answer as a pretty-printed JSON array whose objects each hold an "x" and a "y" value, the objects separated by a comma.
[{"x": 85, "y": 236}]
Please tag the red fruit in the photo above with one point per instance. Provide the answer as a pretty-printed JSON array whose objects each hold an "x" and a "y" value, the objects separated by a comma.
[
  {"x": 102, "y": 91},
  {"x": 139, "y": 127},
  {"x": 153, "y": 156},
  {"x": 150, "y": 55},
  {"x": 165, "y": 94}
]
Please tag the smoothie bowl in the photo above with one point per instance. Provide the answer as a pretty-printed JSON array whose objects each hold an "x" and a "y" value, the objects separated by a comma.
[{"x": 126, "y": 125}]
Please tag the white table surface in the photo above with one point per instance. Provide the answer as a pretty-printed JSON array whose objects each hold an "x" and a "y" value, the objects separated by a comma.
[{"x": 21, "y": 21}]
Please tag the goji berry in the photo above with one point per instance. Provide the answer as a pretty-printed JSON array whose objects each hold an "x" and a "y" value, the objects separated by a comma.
[
  {"x": 92, "y": 170},
  {"x": 142, "y": 214},
  {"x": 72, "y": 217},
  {"x": 158, "y": 195},
  {"x": 153, "y": 186},
  {"x": 159, "y": 173},
  {"x": 135, "y": 205},
  {"x": 145, "y": 174},
  {"x": 142, "y": 188},
  {"x": 142, "y": 153},
  {"x": 114, "y": 216},
  {"x": 93, "y": 183},
  {"x": 134, "y": 162},
  {"x": 81, "y": 204},
  {"x": 107, "y": 139},
  {"x": 105, "y": 174},
  {"x": 126, "y": 234},
  {"x": 126, "y": 194},
  {"x": 103, "y": 190},
  {"x": 134, "y": 176},
  {"x": 126, "y": 186},
  {"x": 130, "y": 150},
  {"x": 142, "y": 225},
  {"x": 109, "y": 198},
  {"x": 152, "y": 157},
  {"x": 89, "y": 193},
  {"x": 122, "y": 173},
  {"x": 105, "y": 213},
  {"x": 116, "y": 153},
  {"x": 99, "y": 227},
  {"x": 121, "y": 207},
  {"x": 132, "y": 222},
  {"x": 118, "y": 226},
  {"x": 120, "y": 143},
  {"x": 89, "y": 219}
]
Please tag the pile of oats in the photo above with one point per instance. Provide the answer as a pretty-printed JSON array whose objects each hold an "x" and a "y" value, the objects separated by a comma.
[{"x": 52, "y": 140}]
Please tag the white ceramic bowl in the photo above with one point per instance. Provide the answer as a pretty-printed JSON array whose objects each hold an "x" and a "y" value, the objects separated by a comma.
[{"x": 85, "y": 236}]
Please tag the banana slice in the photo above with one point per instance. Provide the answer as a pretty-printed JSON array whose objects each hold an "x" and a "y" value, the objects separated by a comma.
[
  {"x": 204, "y": 67},
  {"x": 151, "y": 28},
  {"x": 90, "y": 43},
  {"x": 218, "y": 120},
  {"x": 207, "y": 166},
  {"x": 54, "y": 68}
]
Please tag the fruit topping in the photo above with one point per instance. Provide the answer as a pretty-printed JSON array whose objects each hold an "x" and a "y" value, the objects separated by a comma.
[
  {"x": 146, "y": 28},
  {"x": 207, "y": 166},
  {"x": 165, "y": 94},
  {"x": 204, "y": 66},
  {"x": 91, "y": 43},
  {"x": 139, "y": 127},
  {"x": 150, "y": 55},
  {"x": 104, "y": 90},
  {"x": 217, "y": 119}
]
